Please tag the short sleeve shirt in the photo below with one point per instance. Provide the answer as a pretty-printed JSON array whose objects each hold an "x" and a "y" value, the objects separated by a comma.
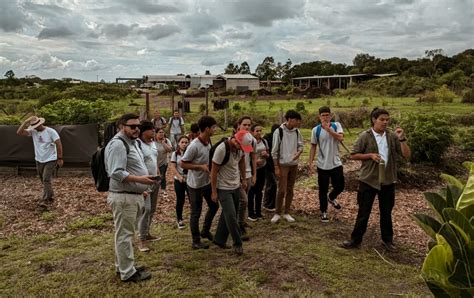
[
  {"x": 329, "y": 147},
  {"x": 228, "y": 176},
  {"x": 43, "y": 141},
  {"x": 197, "y": 153},
  {"x": 176, "y": 159},
  {"x": 175, "y": 127},
  {"x": 150, "y": 155},
  {"x": 162, "y": 154}
]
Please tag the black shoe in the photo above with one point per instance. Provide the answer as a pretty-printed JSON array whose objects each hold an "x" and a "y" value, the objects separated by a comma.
[
  {"x": 223, "y": 246},
  {"x": 259, "y": 216},
  {"x": 207, "y": 235},
  {"x": 324, "y": 217},
  {"x": 244, "y": 238},
  {"x": 238, "y": 250},
  {"x": 200, "y": 245},
  {"x": 138, "y": 268},
  {"x": 252, "y": 218},
  {"x": 350, "y": 244},
  {"x": 389, "y": 246},
  {"x": 138, "y": 276},
  {"x": 334, "y": 203}
]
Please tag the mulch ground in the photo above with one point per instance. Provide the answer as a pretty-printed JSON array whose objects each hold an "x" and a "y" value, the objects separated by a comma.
[{"x": 76, "y": 198}]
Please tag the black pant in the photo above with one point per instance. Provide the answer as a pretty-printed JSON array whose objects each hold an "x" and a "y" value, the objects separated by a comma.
[
  {"x": 256, "y": 194},
  {"x": 163, "y": 169},
  {"x": 365, "y": 200},
  {"x": 195, "y": 199},
  {"x": 228, "y": 222},
  {"x": 180, "y": 189},
  {"x": 336, "y": 176},
  {"x": 270, "y": 189}
]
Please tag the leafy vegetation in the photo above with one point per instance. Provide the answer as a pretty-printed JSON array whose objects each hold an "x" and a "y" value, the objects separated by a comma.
[
  {"x": 76, "y": 111},
  {"x": 448, "y": 268}
]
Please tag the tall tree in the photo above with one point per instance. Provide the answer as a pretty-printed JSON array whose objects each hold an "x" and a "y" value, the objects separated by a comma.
[
  {"x": 266, "y": 69},
  {"x": 282, "y": 71},
  {"x": 10, "y": 75},
  {"x": 231, "y": 69},
  {"x": 244, "y": 68},
  {"x": 435, "y": 56}
]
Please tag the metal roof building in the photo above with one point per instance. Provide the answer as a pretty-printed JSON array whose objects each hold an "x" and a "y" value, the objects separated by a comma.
[
  {"x": 237, "y": 82},
  {"x": 336, "y": 81}
]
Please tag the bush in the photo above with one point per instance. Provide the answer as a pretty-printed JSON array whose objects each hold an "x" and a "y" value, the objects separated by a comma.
[
  {"x": 429, "y": 136},
  {"x": 466, "y": 138},
  {"x": 468, "y": 96},
  {"x": 236, "y": 107},
  {"x": 354, "y": 118},
  {"x": 300, "y": 106},
  {"x": 49, "y": 98},
  {"x": 443, "y": 94},
  {"x": 448, "y": 268},
  {"x": 76, "y": 111}
]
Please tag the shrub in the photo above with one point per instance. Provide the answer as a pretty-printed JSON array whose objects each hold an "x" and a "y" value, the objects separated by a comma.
[
  {"x": 466, "y": 138},
  {"x": 429, "y": 136},
  {"x": 468, "y": 96},
  {"x": 448, "y": 268},
  {"x": 76, "y": 111},
  {"x": 236, "y": 107},
  {"x": 444, "y": 94},
  {"x": 49, "y": 98},
  {"x": 354, "y": 118},
  {"x": 300, "y": 106}
]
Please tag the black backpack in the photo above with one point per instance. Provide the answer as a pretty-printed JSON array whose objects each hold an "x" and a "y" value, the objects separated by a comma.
[
  {"x": 101, "y": 178},
  {"x": 213, "y": 149}
]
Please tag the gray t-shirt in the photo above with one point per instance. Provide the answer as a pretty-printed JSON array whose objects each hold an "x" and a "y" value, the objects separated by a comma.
[
  {"x": 162, "y": 154},
  {"x": 176, "y": 159},
  {"x": 248, "y": 166},
  {"x": 261, "y": 147},
  {"x": 197, "y": 153},
  {"x": 329, "y": 146},
  {"x": 150, "y": 155},
  {"x": 228, "y": 177},
  {"x": 175, "y": 125}
]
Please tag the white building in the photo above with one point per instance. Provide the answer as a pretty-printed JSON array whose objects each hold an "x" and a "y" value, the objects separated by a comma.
[{"x": 237, "y": 82}]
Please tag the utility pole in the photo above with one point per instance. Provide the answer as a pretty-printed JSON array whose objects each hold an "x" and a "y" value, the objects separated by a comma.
[
  {"x": 172, "y": 97},
  {"x": 207, "y": 100}
]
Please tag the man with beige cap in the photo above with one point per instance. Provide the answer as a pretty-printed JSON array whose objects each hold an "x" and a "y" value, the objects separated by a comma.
[{"x": 48, "y": 154}]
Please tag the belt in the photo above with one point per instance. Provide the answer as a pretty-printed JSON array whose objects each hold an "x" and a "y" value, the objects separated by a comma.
[{"x": 128, "y": 192}]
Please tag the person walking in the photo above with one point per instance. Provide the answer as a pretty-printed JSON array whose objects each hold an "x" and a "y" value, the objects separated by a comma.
[
  {"x": 158, "y": 121},
  {"x": 163, "y": 146},
  {"x": 327, "y": 136},
  {"x": 379, "y": 150},
  {"x": 176, "y": 128},
  {"x": 180, "y": 174},
  {"x": 48, "y": 154},
  {"x": 286, "y": 151},
  {"x": 196, "y": 161},
  {"x": 270, "y": 178},
  {"x": 256, "y": 191},
  {"x": 147, "y": 145},
  {"x": 226, "y": 180},
  {"x": 129, "y": 180}
]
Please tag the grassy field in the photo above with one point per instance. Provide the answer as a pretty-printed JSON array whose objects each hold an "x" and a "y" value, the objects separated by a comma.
[{"x": 300, "y": 259}]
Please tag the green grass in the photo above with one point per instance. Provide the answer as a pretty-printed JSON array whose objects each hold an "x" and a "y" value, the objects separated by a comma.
[{"x": 300, "y": 259}]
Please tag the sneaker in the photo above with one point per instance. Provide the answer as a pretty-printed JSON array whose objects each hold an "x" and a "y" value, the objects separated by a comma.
[
  {"x": 200, "y": 245},
  {"x": 152, "y": 238},
  {"x": 275, "y": 218},
  {"x": 245, "y": 238},
  {"x": 138, "y": 268},
  {"x": 324, "y": 217},
  {"x": 389, "y": 246},
  {"x": 138, "y": 276},
  {"x": 259, "y": 216},
  {"x": 288, "y": 218},
  {"x": 238, "y": 250},
  {"x": 268, "y": 209},
  {"x": 334, "y": 203},
  {"x": 165, "y": 194},
  {"x": 252, "y": 218},
  {"x": 350, "y": 244},
  {"x": 223, "y": 246},
  {"x": 142, "y": 246},
  {"x": 181, "y": 225},
  {"x": 207, "y": 235},
  {"x": 243, "y": 234}
]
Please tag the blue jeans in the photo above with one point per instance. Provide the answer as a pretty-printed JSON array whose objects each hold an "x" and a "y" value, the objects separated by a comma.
[{"x": 228, "y": 223}]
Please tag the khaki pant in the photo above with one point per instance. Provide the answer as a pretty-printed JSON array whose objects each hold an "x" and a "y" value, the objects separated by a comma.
[
  {"x": 46, "y": 173},
  {"x": 126, "y": 209},
  {"x": 286, "y": 183}
]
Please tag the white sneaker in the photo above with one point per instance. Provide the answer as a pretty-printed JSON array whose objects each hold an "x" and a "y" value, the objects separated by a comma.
[
  {"x": 275, "y": 218},
  {"x": 288, "y": 218},
  {"x": 165, "y": 194}
]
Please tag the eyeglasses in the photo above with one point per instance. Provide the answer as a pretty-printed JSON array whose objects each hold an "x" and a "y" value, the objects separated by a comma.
[{"x": 133, "y": 126}]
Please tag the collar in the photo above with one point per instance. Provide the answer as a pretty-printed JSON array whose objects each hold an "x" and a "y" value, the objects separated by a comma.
[
  {"x": 377, "y": 134},
  {"x": 204, "y": 142}
]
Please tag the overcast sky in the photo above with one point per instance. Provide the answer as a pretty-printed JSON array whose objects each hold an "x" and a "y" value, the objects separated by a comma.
[{"x": 87, "y": 39}]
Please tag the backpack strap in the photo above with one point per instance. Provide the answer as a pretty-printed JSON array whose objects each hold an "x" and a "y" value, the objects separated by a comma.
[
  {"x": 127, "y": 148},
  {"x": 318, "y": 130}
]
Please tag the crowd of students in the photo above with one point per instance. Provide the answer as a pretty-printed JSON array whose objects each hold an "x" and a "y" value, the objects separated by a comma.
[{"x": 242, "y": 174}]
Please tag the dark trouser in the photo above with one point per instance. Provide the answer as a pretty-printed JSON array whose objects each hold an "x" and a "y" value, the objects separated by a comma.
[
  {"x": 243, "y": 203},
  {"x": 286, "y": 183},
  {"x": 270, "y": 189},
  {"x": 181, "y": 189},
  {"x": 365, "y": 200},
  {"x": 146, "y": 218},
  {"x": 46, "y": 171},
  {"x": 255, "y": 194},
  {"x": 229, "y": 200},
  {"x": 163, "y": 169},
  {"x": 195, "y": 199},
  {"x": 336, "y": 176}
]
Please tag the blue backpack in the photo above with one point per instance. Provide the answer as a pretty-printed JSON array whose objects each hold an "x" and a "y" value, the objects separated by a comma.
[{"x": 318, "y": 130}]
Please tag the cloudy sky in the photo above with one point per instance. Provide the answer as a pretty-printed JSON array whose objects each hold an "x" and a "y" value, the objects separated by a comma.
[{"x": 87, "y": 39}]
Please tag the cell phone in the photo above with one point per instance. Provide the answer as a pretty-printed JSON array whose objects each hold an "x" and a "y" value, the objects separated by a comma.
[{"x": 155, "y": 178}]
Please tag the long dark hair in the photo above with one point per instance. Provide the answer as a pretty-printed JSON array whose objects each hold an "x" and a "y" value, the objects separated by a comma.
[{"x": 178, "y": 150}]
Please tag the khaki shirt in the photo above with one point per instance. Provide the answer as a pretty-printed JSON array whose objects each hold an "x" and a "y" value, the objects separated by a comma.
[{"x": 369, "y": 170}]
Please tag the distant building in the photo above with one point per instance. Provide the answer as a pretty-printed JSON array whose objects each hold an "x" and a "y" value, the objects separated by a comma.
[
  {"x": 335, "y": 81},
  {"x": 181, "y": 81},
  {"x": 202, "y": 81},
  {"x": 237, "y": 82}
]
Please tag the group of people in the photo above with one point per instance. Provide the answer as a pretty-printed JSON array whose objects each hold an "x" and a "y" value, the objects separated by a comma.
[{"x": 241, "y": 174}]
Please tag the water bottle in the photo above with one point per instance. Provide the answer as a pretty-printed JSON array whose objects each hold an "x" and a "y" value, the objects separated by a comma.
[{"x": 381, "y": 171}]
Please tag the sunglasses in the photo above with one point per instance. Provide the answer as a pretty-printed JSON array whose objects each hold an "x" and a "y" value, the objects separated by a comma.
[{"x": 133, "y": 126}]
